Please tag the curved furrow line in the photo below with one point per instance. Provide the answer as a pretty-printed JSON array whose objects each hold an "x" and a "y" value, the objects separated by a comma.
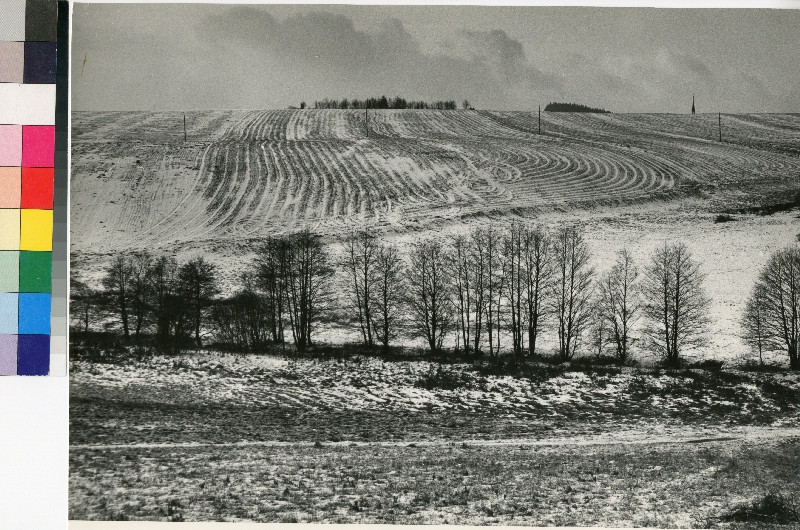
[
  {"x": 255, "y": 199},
  {"x": 173, "y": 221},
  {"x": 268, "y": 178},
  {"x": 379, "y": 181},
  {"x": 247, "y": 204},
  {"x": 327, "y": 172},
  {"x": 339, "y": 175},
  {"x": 310, "y": 190},
  {"x": 345, "y": 186},
  {"x": 411, "y": 185},
  {"x": 221, "y": 200},
  {"x": 294, "y": 183},
  {"x": 279, "y": 188},
  {"x": 223, "y": 217}
]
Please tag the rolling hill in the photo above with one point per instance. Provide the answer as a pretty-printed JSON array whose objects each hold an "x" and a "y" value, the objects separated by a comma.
[{"x": 242, "y": 175}]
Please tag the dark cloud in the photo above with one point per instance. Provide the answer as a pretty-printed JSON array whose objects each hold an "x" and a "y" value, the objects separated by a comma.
[{"x": 328, "y": 50}]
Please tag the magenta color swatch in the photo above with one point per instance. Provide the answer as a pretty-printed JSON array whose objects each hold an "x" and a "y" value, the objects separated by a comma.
[
  {"x": 38, "y": 145},
  {"x": 8, "y": 355},
  {"x": 11, "y": 145}
]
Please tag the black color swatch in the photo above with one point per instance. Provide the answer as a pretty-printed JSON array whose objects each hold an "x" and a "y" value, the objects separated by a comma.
[{"x": 41, "y": 19}]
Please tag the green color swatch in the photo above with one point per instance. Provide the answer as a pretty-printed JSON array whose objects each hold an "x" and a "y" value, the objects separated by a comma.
[{"x": 35, "y": 269}]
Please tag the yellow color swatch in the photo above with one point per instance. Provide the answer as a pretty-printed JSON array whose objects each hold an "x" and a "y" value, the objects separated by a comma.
[
  {"x": 9, "y": 229},
  {"x": 36, "y": 231}
]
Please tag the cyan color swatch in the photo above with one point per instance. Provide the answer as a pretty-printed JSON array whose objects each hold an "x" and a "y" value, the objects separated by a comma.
[{"x": 9, "y": 304}]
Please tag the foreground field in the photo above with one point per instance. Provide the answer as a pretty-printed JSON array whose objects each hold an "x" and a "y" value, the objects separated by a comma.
[
  {"x": 264, "y": 438},
  {"x": 664, "y": 484}
]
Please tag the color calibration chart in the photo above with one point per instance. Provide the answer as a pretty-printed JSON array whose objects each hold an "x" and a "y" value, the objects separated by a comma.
[{"x": 28, "y": 64}]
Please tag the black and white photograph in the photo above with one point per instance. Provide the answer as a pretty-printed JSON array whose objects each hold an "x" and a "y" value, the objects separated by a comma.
[{"x": 435, "y": 264}]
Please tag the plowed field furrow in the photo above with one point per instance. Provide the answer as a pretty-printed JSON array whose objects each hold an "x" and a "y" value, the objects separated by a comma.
[
  {"x": 279, "y": 194},
  {"x": 310, "y": 190}
]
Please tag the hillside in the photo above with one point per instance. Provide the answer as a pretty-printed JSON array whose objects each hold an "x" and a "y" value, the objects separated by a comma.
[{"x": 243, "y": 175}]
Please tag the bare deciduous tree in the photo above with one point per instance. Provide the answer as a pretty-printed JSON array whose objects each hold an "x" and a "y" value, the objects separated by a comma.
[
  {"x": 478, "y": 285},
  {"x": 429, "y": 288},
  {"x": 674, "y": 302},
  {"x": 140, "y": 263},
  {"x": 538, "y": 270},
  {"x": 388, "y": 292},
  {"x": 462, "y": 270},
  {"x": 618, "y": 304},
  {"x": 271, "y": 273},
  {"x": 360, "y": 261},
  {"x": 572, "y": 292},
  {"x": 775, "y": 306},
  {"x": 117, "y": 284},
  {"x": 198, "y": 286},
  {"x": 754, "y": 322},
  {"x": 84, "y": 304},
  {"x": 308, "y": 273},
  {"x": 495, "y": 285},
  {"x": 514, "y": 273},
  {"x": 165, "y": 301}
]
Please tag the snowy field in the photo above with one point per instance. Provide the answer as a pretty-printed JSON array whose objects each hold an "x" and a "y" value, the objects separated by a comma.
[{"x": 262, "y": 438}]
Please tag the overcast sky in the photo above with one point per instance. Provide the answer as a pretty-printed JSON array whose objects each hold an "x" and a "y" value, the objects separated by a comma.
[{"x": 193, "y": 56}]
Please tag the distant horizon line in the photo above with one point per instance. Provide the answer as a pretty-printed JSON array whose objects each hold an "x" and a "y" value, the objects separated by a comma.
[{"x": 425, "y": 110}]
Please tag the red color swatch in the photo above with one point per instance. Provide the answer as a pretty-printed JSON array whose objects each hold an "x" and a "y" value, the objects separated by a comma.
[
  {"x": 38, "y": 145},
  {"x": 37, "y": 188}
]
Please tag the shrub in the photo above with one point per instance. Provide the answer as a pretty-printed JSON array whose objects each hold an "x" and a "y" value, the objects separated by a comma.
[
  {"x": 707, "y": 364},
  {"x": 773, "y": 508},
  {"x": 444, "y": 379},
  {"x": 724, "y": 218}
]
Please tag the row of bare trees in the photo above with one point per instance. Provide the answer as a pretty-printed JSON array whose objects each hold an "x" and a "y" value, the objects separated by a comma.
[
  {"x": 152, "y": 295},
  {"x": 282, "y": 297},
  {"x": 485, "y": 291},
  {"x": 490, "y": 285}
]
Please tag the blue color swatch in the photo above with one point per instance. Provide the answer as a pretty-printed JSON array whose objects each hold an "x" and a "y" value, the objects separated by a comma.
[
  {"x": 33, "y": 355},
  {"x": 34, "y": 313}
]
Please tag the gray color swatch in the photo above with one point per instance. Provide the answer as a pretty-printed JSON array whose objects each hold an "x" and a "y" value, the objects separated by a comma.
[{"x": 12, "y": 20}]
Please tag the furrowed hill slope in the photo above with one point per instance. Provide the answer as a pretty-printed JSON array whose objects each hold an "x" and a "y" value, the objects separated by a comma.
[{"x": 243, "y": 175}]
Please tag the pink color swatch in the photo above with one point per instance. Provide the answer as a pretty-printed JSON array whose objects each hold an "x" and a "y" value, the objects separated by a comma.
[
  {"x": 11, "y": 145},
  {"x": 38, "y": 145}
]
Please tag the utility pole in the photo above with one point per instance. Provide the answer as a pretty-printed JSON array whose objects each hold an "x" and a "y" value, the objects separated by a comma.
[
  {"x": 719, "y": 118},
  {"x": 692, "y": 103},
  {"x": 184, "y": 127},
  {"x": 540, "y": 119},
  {"x": 366, "y": 121}
]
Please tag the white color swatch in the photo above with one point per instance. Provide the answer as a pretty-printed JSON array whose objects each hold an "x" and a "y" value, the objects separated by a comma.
[{"x": 30, "y": 104}]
